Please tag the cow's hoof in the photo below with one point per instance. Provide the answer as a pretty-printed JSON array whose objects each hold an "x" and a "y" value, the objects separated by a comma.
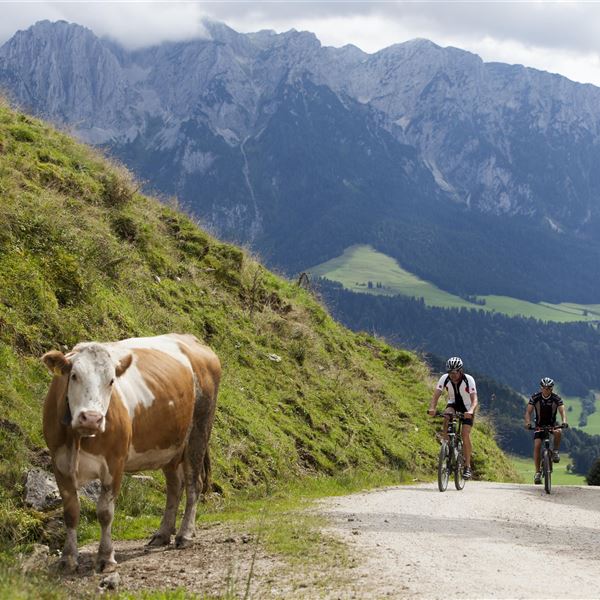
[
  {"x": 106, "y": 565},
  {"x": 68, "y": 565},
  {"x": 183, "y": 542},
  {"x": 159, "y": 539}
]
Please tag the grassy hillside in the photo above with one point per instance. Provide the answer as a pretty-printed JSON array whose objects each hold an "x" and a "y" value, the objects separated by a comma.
[
  {"x": 83, "y": 256},
  {"x": 360, "y": 264}
]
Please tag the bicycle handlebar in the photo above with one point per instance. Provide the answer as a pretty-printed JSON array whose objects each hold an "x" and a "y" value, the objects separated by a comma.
[
  {"x": 548, "y": 427},
  {"x": 460, "y": 415}
]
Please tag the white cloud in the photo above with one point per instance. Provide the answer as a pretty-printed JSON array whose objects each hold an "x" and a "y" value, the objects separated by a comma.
[
  {"x": 554, "y": 36},
  {"x": 136, "y": 24}
]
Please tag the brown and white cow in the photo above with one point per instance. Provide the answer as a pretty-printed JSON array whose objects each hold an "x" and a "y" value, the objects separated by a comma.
[{"x": 133, "y": 405}]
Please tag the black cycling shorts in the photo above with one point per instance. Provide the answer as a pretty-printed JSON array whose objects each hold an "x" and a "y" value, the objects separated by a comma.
[
  {"x": 450, "y": 410},
  {"x": 539, "y": 435}
]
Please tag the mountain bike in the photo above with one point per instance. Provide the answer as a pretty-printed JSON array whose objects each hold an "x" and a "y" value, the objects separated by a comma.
[
  {"x": 547, "y": 452},
  {"x": 452, "y": 458}
]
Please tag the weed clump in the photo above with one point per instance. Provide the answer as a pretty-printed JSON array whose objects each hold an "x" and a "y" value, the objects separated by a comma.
[
  {"x": 118, "y": 188},
  {"x": 18, "y": 526}
]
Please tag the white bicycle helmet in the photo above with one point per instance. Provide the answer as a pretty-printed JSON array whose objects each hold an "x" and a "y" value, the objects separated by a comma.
[
  {"x": 454, "y": 363},
  {"x": 547, "y": 382}
]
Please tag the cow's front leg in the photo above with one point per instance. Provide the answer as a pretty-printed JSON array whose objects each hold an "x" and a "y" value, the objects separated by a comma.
[
  {"x": 174, "y": 478},
  {"x": 68, "y": 493},
  {"x": 105, "y": 509}
]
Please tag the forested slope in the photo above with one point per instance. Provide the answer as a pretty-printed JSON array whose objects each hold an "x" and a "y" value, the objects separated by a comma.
[{"x": 515, "y": 351}]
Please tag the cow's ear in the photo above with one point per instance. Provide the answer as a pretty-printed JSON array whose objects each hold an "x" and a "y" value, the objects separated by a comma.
[
  {"x": 56, "y": 362},
  {"x": 123, "y": 364}
]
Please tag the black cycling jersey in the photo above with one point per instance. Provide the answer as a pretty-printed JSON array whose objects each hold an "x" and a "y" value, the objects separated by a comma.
[{"x": 545, "y": 408}]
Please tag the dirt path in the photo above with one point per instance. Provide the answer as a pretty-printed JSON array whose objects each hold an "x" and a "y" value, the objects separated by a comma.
[{"x": 510, "y": 541}]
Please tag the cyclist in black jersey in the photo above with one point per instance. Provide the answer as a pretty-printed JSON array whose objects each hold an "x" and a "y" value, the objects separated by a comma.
[{"x": 545, "y": 404}]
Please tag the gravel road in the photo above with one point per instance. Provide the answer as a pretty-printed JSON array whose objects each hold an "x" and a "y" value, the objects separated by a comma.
[{"x": 489, "y": 541}]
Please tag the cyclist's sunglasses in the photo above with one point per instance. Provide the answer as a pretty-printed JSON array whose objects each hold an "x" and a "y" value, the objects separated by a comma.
[{"x": 454, "y": 372}]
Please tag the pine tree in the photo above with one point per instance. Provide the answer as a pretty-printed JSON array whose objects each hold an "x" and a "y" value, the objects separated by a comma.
[{"x": 593, "y": 477}]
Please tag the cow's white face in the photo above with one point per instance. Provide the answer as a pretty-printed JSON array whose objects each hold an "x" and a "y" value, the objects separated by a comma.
[
  {"x": 91, "y": 373},
  {"x": 91, "y": 382}
]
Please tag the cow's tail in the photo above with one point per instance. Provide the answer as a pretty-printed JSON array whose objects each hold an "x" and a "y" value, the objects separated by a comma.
[{"x": 206, "y": 483}]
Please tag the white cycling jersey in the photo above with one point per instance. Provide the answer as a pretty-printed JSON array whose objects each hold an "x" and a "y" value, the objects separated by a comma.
[{"x": 459, "y": 396}]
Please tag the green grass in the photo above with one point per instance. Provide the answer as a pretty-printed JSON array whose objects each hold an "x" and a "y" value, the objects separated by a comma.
[
  {"x": 526, "y": 470},
  {"x": 15, "y": 585},
  {"x": 360, "y": 264}
]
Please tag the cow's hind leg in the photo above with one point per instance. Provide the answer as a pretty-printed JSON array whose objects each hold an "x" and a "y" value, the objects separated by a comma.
[
  {"x": 192, "y": 467},
  {"x": 174, "y": 476},
  {"x": 196, "y": 462}
]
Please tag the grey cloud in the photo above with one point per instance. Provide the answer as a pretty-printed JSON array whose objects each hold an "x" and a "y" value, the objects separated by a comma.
[
  {"x": 574, "y": 25},
  {"x": 568, "y": 25}
]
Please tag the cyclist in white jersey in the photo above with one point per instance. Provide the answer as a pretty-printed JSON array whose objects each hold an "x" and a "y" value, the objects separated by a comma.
[{"x": 462, "y": 397}]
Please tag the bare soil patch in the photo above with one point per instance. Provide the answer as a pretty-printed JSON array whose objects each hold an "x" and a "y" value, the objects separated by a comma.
[{"x": 224, "y": 560}]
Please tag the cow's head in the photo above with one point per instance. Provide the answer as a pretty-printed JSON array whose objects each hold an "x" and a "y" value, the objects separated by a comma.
[{"x": 91, "y": 373}]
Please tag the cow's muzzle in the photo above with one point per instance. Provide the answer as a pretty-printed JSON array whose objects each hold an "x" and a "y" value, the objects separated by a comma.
[{"x": 89, "y": 421}]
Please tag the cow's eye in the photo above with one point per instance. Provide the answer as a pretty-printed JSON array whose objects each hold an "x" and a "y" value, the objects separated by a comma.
[
  {"x": 74, "y": 377},
  {"x": 111, "y": 382}
]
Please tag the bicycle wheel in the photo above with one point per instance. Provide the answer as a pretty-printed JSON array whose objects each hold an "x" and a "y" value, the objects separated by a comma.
[
  {"x": 443, "y": 467},
  {"x": 459, "y": 467},
  {"x": 547, "y": 468}
]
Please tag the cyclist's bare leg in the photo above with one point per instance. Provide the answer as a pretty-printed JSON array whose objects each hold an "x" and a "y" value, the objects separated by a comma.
[
  {"x": 445, "y": 428},
  {"x": 537, "y": 444},
  {"x": 466, "y": 436},
  {"x": 557, "y": 438}
]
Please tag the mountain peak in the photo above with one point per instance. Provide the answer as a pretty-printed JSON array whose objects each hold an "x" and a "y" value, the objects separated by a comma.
[
  {"x": 305, "y": 37},
  {"x": 219, "y": 31},
  {"x": 61, "y": 27}
]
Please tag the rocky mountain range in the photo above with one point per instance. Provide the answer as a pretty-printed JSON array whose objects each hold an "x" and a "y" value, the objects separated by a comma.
[{"x": 481, "y": 177}]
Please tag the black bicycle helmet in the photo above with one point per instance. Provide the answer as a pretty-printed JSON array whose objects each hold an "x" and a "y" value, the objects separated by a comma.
[
  {"x": 547, "y": 382},
  {"x": 454, "y": 363}
]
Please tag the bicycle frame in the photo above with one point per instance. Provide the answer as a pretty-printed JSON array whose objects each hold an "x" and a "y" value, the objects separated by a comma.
[
  {"x": 547, "y": 453},
  {"x": 451, "y": 458}
]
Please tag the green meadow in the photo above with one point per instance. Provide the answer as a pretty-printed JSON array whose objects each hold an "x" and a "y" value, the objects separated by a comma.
[
  {"x": 361, "y": 264},
  {"x": 573, "y": 405},
  {"x": 560, "y": 476}
]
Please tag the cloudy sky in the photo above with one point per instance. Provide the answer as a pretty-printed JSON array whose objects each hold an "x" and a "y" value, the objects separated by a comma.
[{"x": 557, "y": 36}]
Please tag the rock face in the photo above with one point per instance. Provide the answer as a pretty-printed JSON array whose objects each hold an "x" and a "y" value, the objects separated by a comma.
[
  {"x": 301, "y": 150},
  {"x": 41, "y": 491}
]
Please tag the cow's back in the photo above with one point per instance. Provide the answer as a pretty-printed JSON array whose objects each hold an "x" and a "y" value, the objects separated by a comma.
[{"x": 169, "y": 377}]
